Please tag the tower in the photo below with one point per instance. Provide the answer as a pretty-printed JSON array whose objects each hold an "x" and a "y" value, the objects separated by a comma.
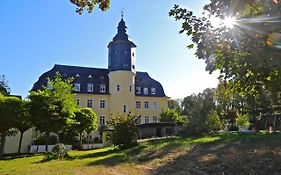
[{"x": 122, "y": 71}]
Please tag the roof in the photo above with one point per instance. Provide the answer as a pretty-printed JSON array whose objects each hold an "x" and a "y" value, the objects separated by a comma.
[{"x": 97, "y": 76}]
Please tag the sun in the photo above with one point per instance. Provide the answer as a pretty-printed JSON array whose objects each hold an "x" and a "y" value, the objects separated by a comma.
[{"x": 229, "y": 22}]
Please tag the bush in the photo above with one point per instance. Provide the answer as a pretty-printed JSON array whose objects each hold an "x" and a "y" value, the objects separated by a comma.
[
  {"x": 123, "y": 131},
  {"x": 59, "y": 151},
  {"x": 243, "y": 120},
  {"x": 233, "y": 128},
  {"x": 41, "y": 140}
]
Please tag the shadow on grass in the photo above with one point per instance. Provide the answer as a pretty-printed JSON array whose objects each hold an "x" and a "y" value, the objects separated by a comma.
[
  {"x": 18, "y": 156},
  {"x": 231, "y": 154}
]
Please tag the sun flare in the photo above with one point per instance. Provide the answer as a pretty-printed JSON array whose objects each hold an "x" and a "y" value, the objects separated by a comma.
[{"x": 229, "y": 22}]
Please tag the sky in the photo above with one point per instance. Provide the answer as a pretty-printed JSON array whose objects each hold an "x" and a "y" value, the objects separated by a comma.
[{"x": 36, "y": 36}]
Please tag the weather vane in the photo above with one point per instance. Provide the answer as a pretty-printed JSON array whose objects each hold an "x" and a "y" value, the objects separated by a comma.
[{"x": 122, "y": 12}]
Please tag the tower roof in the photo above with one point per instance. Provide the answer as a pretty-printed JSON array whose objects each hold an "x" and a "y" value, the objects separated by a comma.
[{"x": 121, "y": 31}]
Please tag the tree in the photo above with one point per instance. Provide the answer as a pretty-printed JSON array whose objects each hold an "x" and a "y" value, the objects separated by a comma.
[
  {"x": 9, "y": 109},
  {"x": 23, "y": 120},
  {"x": 52, "y": 108},
  {"x": 246, "y": 52},
  {"x": 4, "y": 88},
  {"x": 174, "y": 104},
  {"x": 171, "y": 115},
  {"x": 90, "y": 4},
  {"x": 85, "y": 120},
  {"x": 122, "y": 130},
  {"x": 197, "y": 108}
]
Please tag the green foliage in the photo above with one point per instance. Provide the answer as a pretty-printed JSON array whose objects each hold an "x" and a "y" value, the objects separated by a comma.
[
  {"x": 90, "y": 4},
  {"x": 171, "y": 115},
  {"x": 174, "y": 104},
  {"x": 122, "y": 131},
  {"x": 4, "y": 88},
  {"x": 243, "y": 120},
  {"x": 52, "y": 109},
  {"x": 85, "y": 119},
  {"x": 243, "y": 55},
  {"x": 213, "y": 121},
  {"x": 200, "y": 111},
  {"x": 41, "y": 140},
  {"x": 10, "y": 108},
  {"x": 59, "y": 151}
]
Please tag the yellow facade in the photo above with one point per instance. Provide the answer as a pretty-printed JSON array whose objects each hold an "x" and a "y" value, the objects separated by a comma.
[{"x": 122, "y": 99}]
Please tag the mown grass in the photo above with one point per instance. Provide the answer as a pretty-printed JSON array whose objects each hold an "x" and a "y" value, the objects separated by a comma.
[{"x": 152, "y": 156}]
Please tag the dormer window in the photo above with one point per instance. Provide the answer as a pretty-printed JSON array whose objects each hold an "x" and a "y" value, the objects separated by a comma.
[
  {"x": 153, "y": 91},
  {"x": 90, "y": 88},
  {"x": 102, "y": 88},
  {"x": 145, "y": 91},
  {"x": 138, "y": 90},
  {"x": 77, "y": 75},
  {"x": 77, "y": 87},
  {"x": 90, "y": 76}
]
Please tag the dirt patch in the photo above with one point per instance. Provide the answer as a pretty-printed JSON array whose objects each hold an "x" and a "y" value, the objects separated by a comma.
[{"x": 232, "y": 158}]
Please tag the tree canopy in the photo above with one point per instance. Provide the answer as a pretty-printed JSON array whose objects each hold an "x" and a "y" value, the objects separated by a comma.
[
  {"x": 90, "y": 4},
  {"x": 85, "y": 119},
  {"x": 246, "y": 53},
  {"x": 10, "y": 108},
  {"x": 52, "y": 108}
]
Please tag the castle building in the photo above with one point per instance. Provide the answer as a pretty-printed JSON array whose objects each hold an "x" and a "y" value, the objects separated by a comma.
[{"x": 117, "y": 89}]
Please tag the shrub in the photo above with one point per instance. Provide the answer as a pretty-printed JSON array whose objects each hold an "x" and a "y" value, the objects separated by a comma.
[
  {"x": 243, "y": 120},
  {"x": 41, "y": 140},
  {"x": 123, "y": 131},
  {"x": 233, "y": 128},
  {"x": 59, "y": 151}
]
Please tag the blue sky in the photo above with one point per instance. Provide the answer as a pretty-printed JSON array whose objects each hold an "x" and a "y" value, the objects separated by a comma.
[{"x": 35, "y": 36}]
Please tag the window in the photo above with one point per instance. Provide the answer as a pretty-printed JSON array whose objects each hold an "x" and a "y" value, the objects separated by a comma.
[
  {"x": 153, "y": 91},
  {"x": 102, "y": 88},
  {"x": 154, "y": 105},
  {"x": 146, "y": 119},
  {"x": 133, "y": 54},
  {"x": 125, "y": 108},
  {"x": 89, "y": 103},
  {"x": 154, "y": 119},
  {"x": 133, "y": 66},
  {"x": 90, "y": 87},
  {"x": 146, "y": 105},
  {"x": 138, "y": 104},
  {"x": 102, "y": 121},
  {"x": 78, "y": 102},
  {"x": 130, "y": 88},
  {"x": 118, "y": 87},
  {"x": 138, "y": 90},
  {"x": 102, "y": 103},
  {"x": 77, "y": 87},
  {"x": 145, "y": 91}
]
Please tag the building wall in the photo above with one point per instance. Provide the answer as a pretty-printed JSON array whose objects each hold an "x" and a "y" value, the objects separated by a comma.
[
  {"x": 126, "y": 94},
  {"x": 161, "y": 102},
  {"x": 12, "y": 143}
]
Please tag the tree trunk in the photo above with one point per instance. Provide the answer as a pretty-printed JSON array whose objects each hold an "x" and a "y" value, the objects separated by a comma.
[
  {"x": 2, "y": 145},
  {"x": 21, "y": 136},
  {"x": 47, "y": 140},
  {"x": 81, "y": 139}
]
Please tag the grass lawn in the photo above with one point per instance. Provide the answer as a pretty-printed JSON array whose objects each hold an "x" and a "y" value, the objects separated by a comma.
[{"x": 218, "y": 154}]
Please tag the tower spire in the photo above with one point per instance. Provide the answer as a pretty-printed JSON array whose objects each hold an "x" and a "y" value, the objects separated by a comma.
[{"x": 122, "y": 13}]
